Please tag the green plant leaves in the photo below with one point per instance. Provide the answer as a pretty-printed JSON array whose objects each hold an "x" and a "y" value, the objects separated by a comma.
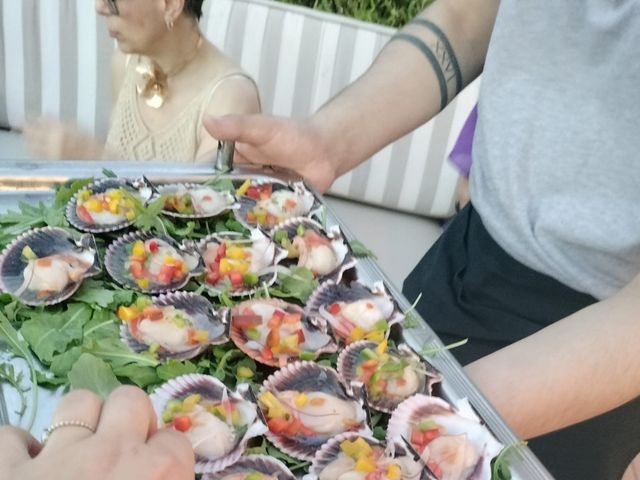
[{"x": 91, "y": 373}]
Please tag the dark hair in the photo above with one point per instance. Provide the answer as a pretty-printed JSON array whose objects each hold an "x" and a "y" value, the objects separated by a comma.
[{"x": 193, "y": 8}]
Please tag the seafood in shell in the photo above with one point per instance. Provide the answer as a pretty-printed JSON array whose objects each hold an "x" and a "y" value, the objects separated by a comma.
[
  {"x": 351, "y": 456},
  {"x": 191, "y": 200},
  {"x": 390, "y": 375},
  {"x": 325, "y": 253},
  {"x": 218, "y": 422},
  {"x": 306, "y": 404},
  {"x": 106, "y": 205},
  {"x": 274, "y": 332},
  {"x": 451, "y": 441},
  {"x": 253, "y": 467},
  {"x": 46, "y": 266},
  {"x": 152, "y": 263},
  {"x": 176, "y": 325},
  {"x": 268, "y": 203},
  {"x": 247, "y": 263},
  {"x": 355, "y": 312}
]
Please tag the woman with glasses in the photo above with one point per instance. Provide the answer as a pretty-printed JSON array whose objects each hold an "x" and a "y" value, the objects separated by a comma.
[{"x": 165, "y": 77}]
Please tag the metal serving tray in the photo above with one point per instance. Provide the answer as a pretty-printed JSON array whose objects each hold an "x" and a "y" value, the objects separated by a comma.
[{"x": 34, "y": 181}]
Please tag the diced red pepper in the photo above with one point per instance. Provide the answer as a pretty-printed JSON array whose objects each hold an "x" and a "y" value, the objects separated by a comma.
[
  {"x": 235, "y": 278},
  {"x": 153, "y": 246},
  {"x": 182, "y": 424},
  {"x": 166, "y": 274},
  {"x": 277, "y": 425},
  {"x": 213, "y": 277},
  {"x": 152, "y": 313},
  {"x": 136, "y": 268},
  {"x": 334, "y": 309}
]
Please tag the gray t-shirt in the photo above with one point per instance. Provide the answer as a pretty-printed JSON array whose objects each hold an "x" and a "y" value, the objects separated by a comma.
[{"x": 556, "y": 172}]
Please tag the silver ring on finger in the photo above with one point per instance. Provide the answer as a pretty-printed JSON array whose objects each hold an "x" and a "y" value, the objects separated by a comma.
[{"x": 65, "y": 423}]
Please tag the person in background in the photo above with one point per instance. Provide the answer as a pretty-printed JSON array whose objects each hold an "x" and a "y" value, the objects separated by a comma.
[
  {"x": 541, "y": 271},
  {"x": 165, "y": 77},
  {"x": 116, "y": 439}
]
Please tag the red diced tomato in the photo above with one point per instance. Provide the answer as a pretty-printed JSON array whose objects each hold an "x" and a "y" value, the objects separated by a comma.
[
  {"x": 166, "y": 274},
  {"x": 213, "y": 277},
  {"x": 221, "y": 251},
  {"x": 334, "y": 309},
  {"x": 277, "y": 425},
  {"x": 235, "y": 278},
  {"x": 182, "y": 424}
]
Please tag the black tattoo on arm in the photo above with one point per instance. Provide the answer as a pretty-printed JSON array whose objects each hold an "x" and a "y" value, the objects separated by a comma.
[{"x": 441, "y": 56}]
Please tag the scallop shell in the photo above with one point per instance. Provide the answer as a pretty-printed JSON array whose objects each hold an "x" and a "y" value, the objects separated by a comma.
[
  {"x": 309, "y": 203},
  {"x": 350, "y": 359},
  {"x": 344, "y": 258},
  {"x": 331, "y": 292},
  {"x": 460, "y": 423},
  {"x": 266, "y": 254},
  {"x": 200, "y": 312},
  {"x": 411, "y": 468},
  {"x": 117, "y": 257},
  {"x": 317, "y": 340},
  {"x": 45, "y": 242},
  {"x": 214, "y": 390},
  {"x": 253, "y": 463},
  {"x": 310, "y": 377},
  {"x": 226, "y": 201},
  {"x": 140, "y": 187}
]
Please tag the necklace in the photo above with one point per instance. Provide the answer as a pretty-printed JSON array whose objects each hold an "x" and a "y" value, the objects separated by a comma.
[{"x": 152, "y": 84}]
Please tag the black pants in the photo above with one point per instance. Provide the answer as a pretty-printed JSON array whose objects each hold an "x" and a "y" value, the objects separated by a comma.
[{"x": 471, "y": 288}]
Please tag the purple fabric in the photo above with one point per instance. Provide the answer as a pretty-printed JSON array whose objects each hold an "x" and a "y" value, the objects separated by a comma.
[{"x": 460, "y": 156}]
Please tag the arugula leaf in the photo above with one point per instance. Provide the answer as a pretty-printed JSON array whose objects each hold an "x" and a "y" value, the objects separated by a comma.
[
  {"x": 91, "y": 373},
  {"x": 19, "y": 347},
  {"x": 66, "y": 192},
  {"x": 298, "y": 284},
  {"x": 49, "y": 333},
  {"x": 173, "y": 368},
  {"x": 141, "y": 376},
  {"x": 117, "y": 353},
  {"x": 8, "y": 375},
  {"x": 359, "y": 250},
  {"x": 102, "y": 324},
  {"x": 62, "y": 363},
  {"x": 148, "y": 217},
  {"x": 92, "y": 292}
]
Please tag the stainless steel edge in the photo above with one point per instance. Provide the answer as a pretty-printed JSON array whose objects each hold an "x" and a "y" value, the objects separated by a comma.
[{"x": 34, "y": 181}]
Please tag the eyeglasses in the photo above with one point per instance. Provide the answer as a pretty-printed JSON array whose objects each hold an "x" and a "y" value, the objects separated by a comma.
[{"x": 113, "y": 6}]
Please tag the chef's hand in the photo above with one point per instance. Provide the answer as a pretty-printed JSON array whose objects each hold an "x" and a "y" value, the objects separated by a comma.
[{"x": 126, "y": 444}]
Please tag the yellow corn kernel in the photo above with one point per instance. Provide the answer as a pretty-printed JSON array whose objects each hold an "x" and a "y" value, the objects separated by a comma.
[
  {"x": 357, "y": 334},
  {"x": 93, "y": 205},
  {"x": 242, "y": 189},
  {"x": 394, "y": 472},
  {"x": 377, "y": 336},
  {"x": 190, "y": 402},
  {"x": 138, "y": 249},
  {"x": 143, "y": 283},
  {"x": 365, "y": 465},
  {"x": 301, "y": 400}
]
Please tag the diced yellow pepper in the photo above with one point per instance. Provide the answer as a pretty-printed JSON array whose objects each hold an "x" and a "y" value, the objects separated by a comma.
[
  {"x": 114, "y": 207},
  {"x": 143, "y": 283},
  {"x": 357, "y": 334},
  {"x": 365, "y": 464},
  {"x": 131, "y": 215},
  {"x": 356, "y": 449},
  {"x": 201, "y": 336},
  {"x": 225, "y": 266},
  {"x": 235, "y": 252},
  {"x": 242, "y": 189},
  {"x": 380, "y": 349},
  {"x": 84, "y": 195},
  {"x": 169, "y": 260},
  {"x": 394, "y": 472},
  {"x": 290, "y": 342},
  {"x": 115, "y": 195},
  {"x": 93, "y": 205},
  {"x": 190, "y": 402},
  {"x": 138, "y": 249},
  {"x": 275, "y": 408},
  {"x": 301, "y": 400},
  {"x": 376, "y": 336},
  {"x": 244, "y": 372},
  {"x": 127, "y": 314}
]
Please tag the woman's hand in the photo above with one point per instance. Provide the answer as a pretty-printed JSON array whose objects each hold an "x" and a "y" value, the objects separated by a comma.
[
  {"x": 126, "y": 444},
  {"x": 266, "y": 140},
  {"x": 52, "y": 140}
]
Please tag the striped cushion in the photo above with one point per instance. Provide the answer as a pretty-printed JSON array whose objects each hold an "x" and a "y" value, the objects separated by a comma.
[{"x": 55, "y": 60}]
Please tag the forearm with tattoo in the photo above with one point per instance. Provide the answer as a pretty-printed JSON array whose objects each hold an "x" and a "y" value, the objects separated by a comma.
[{"x": 438, "y": 51}]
